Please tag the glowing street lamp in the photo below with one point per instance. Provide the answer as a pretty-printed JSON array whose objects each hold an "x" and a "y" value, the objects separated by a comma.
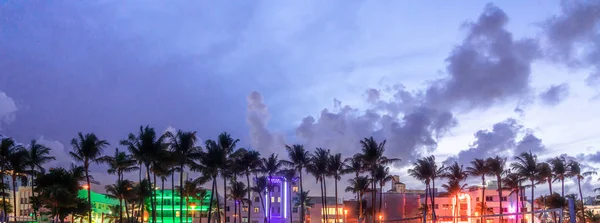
[
  {"x": 380, "y": 218},
  {"x": 345, "y": 215},
  {"x": 85, "y": 186}
]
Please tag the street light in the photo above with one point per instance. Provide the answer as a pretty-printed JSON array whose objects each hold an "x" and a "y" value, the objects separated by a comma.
[
  {"x": 380, "y": 218},
  {"x": 345, "y": 215}
]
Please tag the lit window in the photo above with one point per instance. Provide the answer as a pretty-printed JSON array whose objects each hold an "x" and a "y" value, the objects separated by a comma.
[
  {"x": 256, "y": 210},
  {"x": 244, "y": 219},
  {"x": 177, "y": 214},
  {"x": 294, "y": 189},
  {"x": 278, "y": 199},
  {"x": 245, "y": 209},
  {"x": 272, "y": 199}
]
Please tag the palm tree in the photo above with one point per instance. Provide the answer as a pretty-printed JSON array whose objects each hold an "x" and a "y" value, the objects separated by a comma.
[
  {"x": 575, "y": 171},
  {"x": 299, "y": 159},
  {"x": 211, "y": 162},
  {"x": 359, "y": 186},
  {"x": 162, "y": 169},
  {"x": 560, "y": 170},
  {"x": 184, "y": 152},
  {"x": 526, "y": 165},
  {"x": 227, "y": 144},
  {"x": 261, "y": 188},
  {"x": 238, "y": 195},
  {"x": 480, "y": 168},
  {"x": 436, "y": 172},
  {"x": 512, "y": 182},
  {"x": 496, "y": 167},
  {"x": 454, "y": 187},
  {"x": 191, "y": 189},
  {"x": 335, "y": 169},
  {"x": 545, "y": 174},
  {"x": 142, "y": 190},
  {"x": 373, "y": 156},
  {"x": 382, "y": 175},
  {"x": 319, "y": 169},
  {"x": 121, "y": 190},
  {"x": 119, "y": 163},
  {"x": 303, "y": 200},
  {"x": 17, "y": 165},
  {"x": 270, "y": 166},
  {"x": 87, "y": 149},
  {"x": 455, "y": 175},
  {"x": 423, "y": 171},
  {"x": 147, "y": 147},
  {"x": 6, "y": 146},
  {"x": 250, "y": 161},
  {"x": 38, "y": 156}
]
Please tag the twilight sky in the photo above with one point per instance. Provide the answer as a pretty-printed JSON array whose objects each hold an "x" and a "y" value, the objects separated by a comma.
[{"x": 447, "y": 78}]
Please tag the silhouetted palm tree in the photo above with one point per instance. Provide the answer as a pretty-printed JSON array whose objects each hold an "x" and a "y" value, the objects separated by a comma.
[
  {"x": 560, "y": 170},
  {"x": 227, "y": 144},
  {"x": 455, "y": 175},
  {"x": 183, "y": 151},
  {"x": 6, "y": 146},
  {"x": 38, "y": 156},
  {"x": 87, "y": 149},
  {"x": 211, "y": 162},
  {"x": 289, "y": 175},
  {"x": 303, "y": 200},
  {"x": 335, "y": 169},
  {"x": 545, "y": 175},
  {"x": 318, "y": 167},
  {"x": 526, "y": 165},
  {"x": 270, "y": 166},
  {"x": 191, "y": 189},
  {"x": 423, "y": 171},
  {"x": 238, "y": 195},
  {"x": 261, "y": 188},
  {"x": 17, "y": 165},
  {"x": 250, "y": 161},
  {"x": 359, "y": 186},
  {"x": 382, "y": 176},
  {"x": 373, "y": 156},
  {"x": 496, "y": 167},
  {"x": 575, "y": 171},
  {"x": 119, "y": 163},
  {"x": 299, "y": 159},
  {"x": 480, "y": 168},
  {"x": 121, "y": 190}
]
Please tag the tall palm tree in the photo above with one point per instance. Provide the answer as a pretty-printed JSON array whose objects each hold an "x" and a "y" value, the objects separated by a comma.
[
  {"x": 250, "y": 161},
  {"x": 373, "y": 156},
  {"x": 545, "y": 175},
  {"x": 162, "y": 170},
  {"x": 210, "y": 163},
  {"x": 560, "y": 171},
  {"x": 38, "y": 156},
  {"x": 303, "y": 200},
  {"x": 576, "y": 171},
  {"x": 496, "y": 167},
  {"x": 238, "y": 195},
  {"x": 227, "y": 144},
  {"x": 6, "y": 146},
  {"x": 270, "y": 166},
  {"x": 359, "y": 186},
  {"x": 87, "y": 149},
  {"x": 142, "y": 190},
  {"x": 299, "y": 159},
  {"x": 382, "y": 176},
  {"x": 526, "y": 165},
  {"x": 17, "y": 165},
  {"x": 261, "y": 188},
  {"x": 423, "y": 171},
  {"x": 512, "y": 182},
  {"x": 119, "y": 163},
  {"x": 191, "y": 189},
  {"x": 455, "y": 175},
  {"x": 479, "y": 168},
  {"x": 148, "y": 146},
  {"x": 184, "y": 151},
  {"x": 436, "y": 172},
  {"x": 335, "y": 169},
  {"x": 318, "y": 167},
  {"x": 121, "y": 190}
]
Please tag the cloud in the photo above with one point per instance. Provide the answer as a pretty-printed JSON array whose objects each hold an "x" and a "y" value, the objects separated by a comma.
[
  {"x": 58, "y": 150},
  {"x": 7, "y": 109},
  {"x": 529, "y": 143},
  {"x": 257, "y": 118},
  {"x": 555, "y": 94},
  {"x": 574, "y": 36}
]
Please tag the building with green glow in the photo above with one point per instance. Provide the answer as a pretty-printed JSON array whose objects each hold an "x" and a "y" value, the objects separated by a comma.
[
  {"x": 168, "y": 207},
  {"x": 100, "y": 204}
]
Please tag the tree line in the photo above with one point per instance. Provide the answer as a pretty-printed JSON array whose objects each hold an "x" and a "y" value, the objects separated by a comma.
[{"x": 157, "y": 158}]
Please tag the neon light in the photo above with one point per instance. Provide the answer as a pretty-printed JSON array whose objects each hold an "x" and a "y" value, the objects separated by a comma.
[
  {"x": 266, "y": 205},
  {"x": 285, "y": 199}
]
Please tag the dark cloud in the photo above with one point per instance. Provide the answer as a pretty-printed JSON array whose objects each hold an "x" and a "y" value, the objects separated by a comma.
[
  {"x": 257, "y": 118},
  {"x": 574, "y": 36},
  {"x": 529, "y": 143},
  {"x": 555, "y": 94}
]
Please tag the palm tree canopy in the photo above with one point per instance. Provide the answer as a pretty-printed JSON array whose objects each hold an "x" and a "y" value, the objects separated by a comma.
[
  {"x": 303, "y": 200},
  {"x": 544, "y": 172},
  {"x": 298, "y": 156},
  {"x": 271, "y": 165},
  {"x": 478, "y": 167},
  {"x": 18, "y": 164},
  {"x": 336, "y": 166},
  {"x": 512, "y": 182},
  {"x": 260, "y": 185},
  {"x": 496, "y": 166},
  {"x": 122, "y": 189},
  {"x": 318, "y": 166},
  {"x": 238, "y": 192},
  {"x": 455, "y": 172},
  {"x": 87, "y": 148},
  {"x": 38, "y": 156},
  {"x": 559, "y": 167},
  {"x": 382, "y": 175},
  {"x": 119, "y": 162},
  {"x": 359, "y": 185},
  {"x": 373, "y": 153},
  {"x": 526, "y": 164},
  {"x": 354, "y": 164},
  {"x": 184, "y": 148},
  {"x": 422, "y": 171}
]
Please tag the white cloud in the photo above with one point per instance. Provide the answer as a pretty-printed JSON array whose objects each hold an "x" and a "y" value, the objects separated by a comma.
[{"x": 7, "y": 108}]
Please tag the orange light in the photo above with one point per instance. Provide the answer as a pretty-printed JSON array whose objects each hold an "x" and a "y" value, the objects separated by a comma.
[
  {"x": 380, "y": 217},
  {"x": 85, "y": 186},
  {"x": 345, "y": 211}
]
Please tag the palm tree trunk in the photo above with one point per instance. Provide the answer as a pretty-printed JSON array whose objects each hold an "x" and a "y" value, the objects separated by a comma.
[
  {"x": 212, "y": 195},
  {"x": 152, "y": 201},
  {"x": 89, "y": 192},
  {"x": 181, "y": 193},
  {"x": 262, "y": 203},
  {"x": 162, "y": 200},
  {"x": 532, "y": 198},
  {"x": 141, "y": 213},
  {"x": 337, "y": 215},
  {"x": 498, "y": 178},
  {"x": 562, "y": 182},
  {"x": 224, "y": 194},
  {"x": 325, "y": 198},
  {"x": 126, "y": 211},
  {"x": 426, "y": 197},
  {"x": 290, "y": 203},
  {"x": 550, "y": 185},
  {"x": 518, "y": 210},
  {"x": 14, "y": 181},
  {"x": 581, "y": 198},
  {"x": 301, "y": 204},
  {"x": 173, "y": 195},
  {"x": 322, "y": 201},
  {"x": 432, "y": 198},
  {"x": 360, "y": 207},
  {"x": 235, "y": 212},
  {"x": 482, "y": 197},
  {"x": 33, "y": 193},
  {"x": 373, "y": 195},
  {"x": 120, "y": 210},
  {"x": 249, "y": 198}
]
